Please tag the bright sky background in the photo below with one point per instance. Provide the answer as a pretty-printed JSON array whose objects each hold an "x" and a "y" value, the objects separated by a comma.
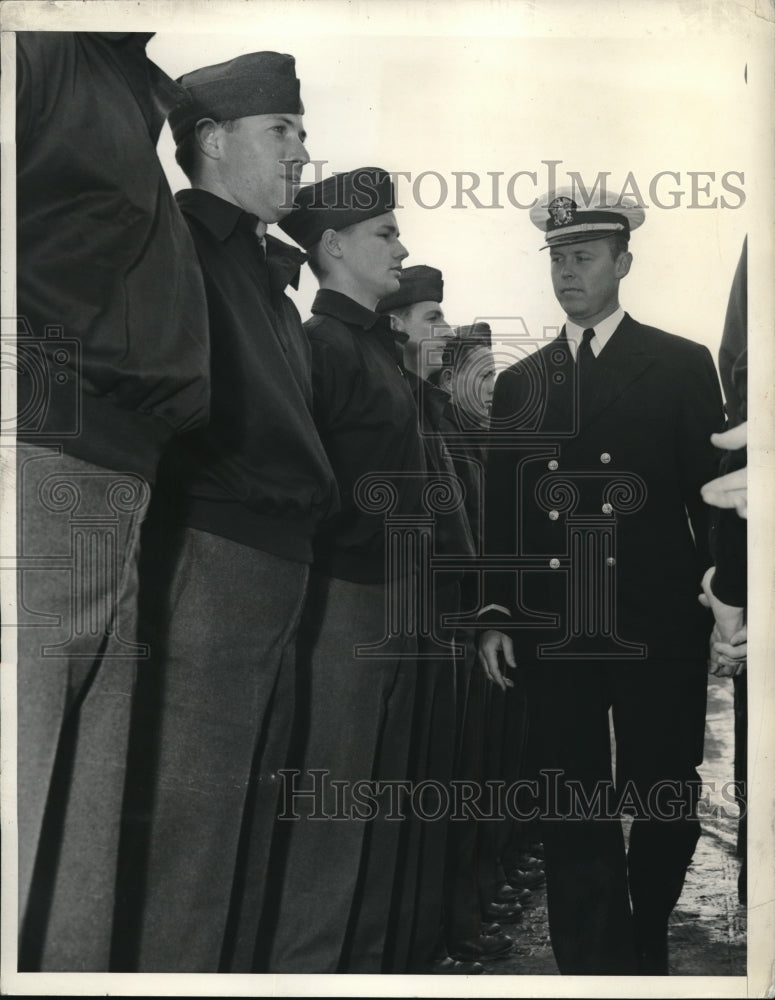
[{"x": 673, "y": 99}]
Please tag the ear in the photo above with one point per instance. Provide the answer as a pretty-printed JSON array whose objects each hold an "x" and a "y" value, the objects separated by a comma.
[
  {"x": 623, "y": 264},
  {"x": 445, "y": 380},
  {"x": 208, "y": 136},
  {"x": 330, "y": 242}
]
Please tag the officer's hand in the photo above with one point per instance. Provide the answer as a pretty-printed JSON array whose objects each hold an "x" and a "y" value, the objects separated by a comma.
[
  {"x": 728, "y": 659},
  {"x": 491, "y": 645}
]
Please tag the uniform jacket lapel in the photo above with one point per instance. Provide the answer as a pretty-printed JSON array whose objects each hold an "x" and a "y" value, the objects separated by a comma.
[{"x": 621, "y": 363}]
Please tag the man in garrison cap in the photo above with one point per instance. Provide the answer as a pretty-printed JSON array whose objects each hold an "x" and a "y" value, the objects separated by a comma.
[
  {"x": 416, "y": 312},
  {"x": 112, "y": 355},
  {"x": 605, "y": 431},
  {"x": 416, "y": 942},
  {"x": 228, "y": 561},
  {"x": 355, "y": 711},
  {"x": 487, "y": 718}
]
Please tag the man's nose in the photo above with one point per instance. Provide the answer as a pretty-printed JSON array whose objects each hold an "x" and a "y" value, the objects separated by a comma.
[
  {"x": 299, "y": 152},
  {"x": 401, "y": 252}
]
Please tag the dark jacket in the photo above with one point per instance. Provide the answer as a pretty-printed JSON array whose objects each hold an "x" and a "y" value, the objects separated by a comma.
[
  {"x": 469, "y": 456},
  {"x": 452, "y": 531},
  {"x": 257, "y": 473},
  {"x": 627, "y": 450},
  {"x": 113, "y": 347},
  {"x": 465, "y": 445},
  {"x": 367, "y": 418}
]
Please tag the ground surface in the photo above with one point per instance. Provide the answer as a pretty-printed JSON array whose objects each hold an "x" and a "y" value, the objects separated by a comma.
[{"x": 708, "y": 927}]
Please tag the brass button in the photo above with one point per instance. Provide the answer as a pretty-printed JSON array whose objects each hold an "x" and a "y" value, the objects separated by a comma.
[
  {"x": 605, "y": 458},
  {"x": 553, "y": 515},
  {"x": 607, "y": 508},
  {"x": 554, "y": 563},
  {"x": 610, "y": 561},
  {"x": 554, "y": 465}
]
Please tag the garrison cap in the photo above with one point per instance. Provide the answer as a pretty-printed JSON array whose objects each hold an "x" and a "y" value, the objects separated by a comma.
[
  {"x": 337, "y": 202},
  {"x": 418, "y": 283},
  {"x": 565, "y": 218},
  {"x": 259, "y": 83},
  {"x": 478, "y": 333},
  {"x": 467, "y": 339}
]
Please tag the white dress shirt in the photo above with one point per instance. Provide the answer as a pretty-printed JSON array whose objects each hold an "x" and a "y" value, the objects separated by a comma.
[{"x": 603, "y": 332}]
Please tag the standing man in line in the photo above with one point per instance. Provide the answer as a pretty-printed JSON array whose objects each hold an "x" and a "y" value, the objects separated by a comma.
[
  {"x": 112, "y": 363},
  {"x": 416, "y": 940},
  {"x": 474, "y": 897},
  {"x": 600, "y": 443},
  {"x": 416, "y": 313},
  {"x": 232, "y": 550},
  {"x": 354, "y": 720}
]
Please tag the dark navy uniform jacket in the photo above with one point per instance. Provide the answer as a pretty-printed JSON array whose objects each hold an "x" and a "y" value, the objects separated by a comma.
[
  {"x": 366, "y": 414},
  {"x": 628, "y": 448},
  {"x": 258, "y": 473},
  {"x": 452, "y": 530},
  {"x": 114, "y": 351}
]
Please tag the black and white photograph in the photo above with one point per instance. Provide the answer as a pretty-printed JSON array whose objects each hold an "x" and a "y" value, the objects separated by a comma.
[{"x": 375, "y": 439}]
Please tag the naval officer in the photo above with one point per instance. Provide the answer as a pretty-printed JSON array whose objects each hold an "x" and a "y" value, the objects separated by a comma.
[{"x": 600, "y": 442}]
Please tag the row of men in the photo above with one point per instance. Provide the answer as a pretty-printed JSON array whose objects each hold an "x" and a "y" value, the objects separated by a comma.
[
  {"x": 149, "y": 784},
  {"x": 224, "y": 561}
]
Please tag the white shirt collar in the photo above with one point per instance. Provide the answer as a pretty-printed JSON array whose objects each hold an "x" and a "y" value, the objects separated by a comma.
[{"x": 603, "y": 331}]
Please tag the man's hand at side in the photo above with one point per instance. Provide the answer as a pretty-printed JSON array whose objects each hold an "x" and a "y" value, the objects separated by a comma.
[{"x": 491, "y": 645}]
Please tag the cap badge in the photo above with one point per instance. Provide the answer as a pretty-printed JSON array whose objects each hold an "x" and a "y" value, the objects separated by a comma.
[{"x": 561, "y": 211}]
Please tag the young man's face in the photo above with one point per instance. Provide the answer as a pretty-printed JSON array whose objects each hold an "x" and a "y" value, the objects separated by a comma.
[
  {"x": 261, "y": 161},
  {"x": 372, "y": 255},
  {"x": 473, "y": 384},
  {"x": 424, "y": 323},
  {"x": 586, "y": 279}
]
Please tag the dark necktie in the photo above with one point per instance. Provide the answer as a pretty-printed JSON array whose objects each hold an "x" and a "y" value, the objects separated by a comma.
[{"x": 584, "y": 356}]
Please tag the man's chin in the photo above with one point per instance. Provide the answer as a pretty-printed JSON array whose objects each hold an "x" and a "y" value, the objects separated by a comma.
[
  {"x": 278, "y": 213},
  {"x": 391, "y": 284}
]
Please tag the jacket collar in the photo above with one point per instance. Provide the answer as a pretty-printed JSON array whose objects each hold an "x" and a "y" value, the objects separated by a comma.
[
  {"x": 329, "y": 302},
  {"x": 222, "y": 218}
]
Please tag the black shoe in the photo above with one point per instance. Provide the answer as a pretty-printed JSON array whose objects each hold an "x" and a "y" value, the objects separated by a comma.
[
  {"x": 485, "y": 948},
  {"x": 506, "y": 893},
  {"x": 504, "y": 913},
  {"x": 448, "y": 966},
  {"x": 512, "y": 894},
  {"x": 521, "y": 879},
  {"x": 530, "y": 863}
]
